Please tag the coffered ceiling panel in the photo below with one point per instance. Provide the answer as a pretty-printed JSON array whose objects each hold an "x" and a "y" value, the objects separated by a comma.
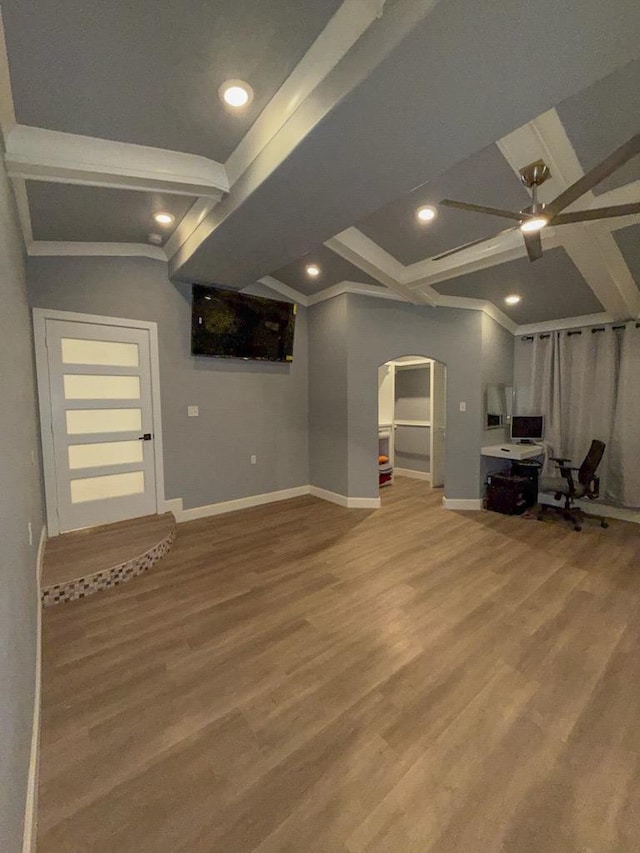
[
  {"x": 100, "y": 214},
  {"x": 601, "y": 118},
  {"x": 149, "y": 73},
  {"x": 333, "y": 270},
  {"x": 484, "y": 178},
  {"x": 628, "y": 240},
  {"x": 550, "y": 288}
]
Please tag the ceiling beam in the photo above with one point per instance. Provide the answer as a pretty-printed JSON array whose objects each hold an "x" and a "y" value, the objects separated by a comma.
[
  {"x": 589, "y": 245},
  {"x": 62, "y": 248},
  {"x": 49, "y": 155},
  {"x": 344, "y": 29},
  {"x": 355, "y": 247}
]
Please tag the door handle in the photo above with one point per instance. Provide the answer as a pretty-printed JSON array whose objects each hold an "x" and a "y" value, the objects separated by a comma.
[{"x": 146, "y": 437}]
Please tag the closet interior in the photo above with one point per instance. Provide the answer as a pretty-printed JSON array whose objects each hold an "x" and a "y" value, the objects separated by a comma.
[{"x": 411, "y": 420}]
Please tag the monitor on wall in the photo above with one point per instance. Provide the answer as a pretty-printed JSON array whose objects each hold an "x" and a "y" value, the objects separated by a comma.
[{"x": 229, "y": 324}]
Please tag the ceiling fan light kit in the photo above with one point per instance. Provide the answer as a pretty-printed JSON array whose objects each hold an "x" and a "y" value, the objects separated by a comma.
[{"x": 536, "y": 216}]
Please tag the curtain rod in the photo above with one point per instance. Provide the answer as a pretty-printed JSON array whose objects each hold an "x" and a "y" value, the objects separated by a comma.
[{"x": 544, "y": 335}]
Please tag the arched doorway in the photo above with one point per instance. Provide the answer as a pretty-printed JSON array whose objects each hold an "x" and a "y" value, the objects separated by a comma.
[{"x": 411, "y": 420}]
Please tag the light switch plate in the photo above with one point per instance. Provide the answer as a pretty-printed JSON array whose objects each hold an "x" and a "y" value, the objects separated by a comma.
[
  {"x": 463, "y": 406},
  {"x": 193, "y": 411}
]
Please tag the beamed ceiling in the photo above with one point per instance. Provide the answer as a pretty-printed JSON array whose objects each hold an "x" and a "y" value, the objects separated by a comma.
[{"x": 363, "y": 111}]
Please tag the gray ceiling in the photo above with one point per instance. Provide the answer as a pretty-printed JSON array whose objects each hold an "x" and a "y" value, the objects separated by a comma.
[
  {"x": 484, "y": 178},
  {"x": 333, "y": 270},
  {"x": 551, "y": 288},
  {"x": 601, "y": 118},
  {"x": 448, "y": 89},
  {"x": 99, "y": 214},
  {"x": 628, "y": 240},
  {"x": 149, "y": 73}
]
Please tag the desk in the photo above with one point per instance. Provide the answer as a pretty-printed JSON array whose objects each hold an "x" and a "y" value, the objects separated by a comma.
[{"x": 515, "y": 452}]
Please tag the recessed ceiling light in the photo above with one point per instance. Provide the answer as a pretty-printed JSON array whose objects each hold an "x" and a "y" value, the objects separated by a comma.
[
  {"x": 426, "y": 213},
  {"x": 163, "y": 218},
  {"x": 236, "y": 93},
  {"x": 313, "y": 270},
  {"x": 156, "y": 239},
  {"x": 512, "y": 300},
  {"x": 534, "y": 224}
]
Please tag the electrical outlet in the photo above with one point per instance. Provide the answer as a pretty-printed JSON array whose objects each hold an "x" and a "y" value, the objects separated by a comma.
[
  {"x": 193, "y": 411},
  {"x": 463, "y": 406},
  {"x": 254, "y": 459}
]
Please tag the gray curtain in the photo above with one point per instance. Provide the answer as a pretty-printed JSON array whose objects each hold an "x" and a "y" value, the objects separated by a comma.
[{"x": 587, "y": 386}]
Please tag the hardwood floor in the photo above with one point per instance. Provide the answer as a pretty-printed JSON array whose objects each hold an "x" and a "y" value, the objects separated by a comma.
[{"x": 302, "y": 678}]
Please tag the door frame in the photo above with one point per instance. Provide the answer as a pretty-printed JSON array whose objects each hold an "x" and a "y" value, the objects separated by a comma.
[{"x": 40, "y": 316}]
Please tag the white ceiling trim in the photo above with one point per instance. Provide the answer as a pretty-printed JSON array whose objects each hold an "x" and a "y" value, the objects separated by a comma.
[
  {"x": 352, "y": 246},
  {"x": 7, "y": 110},
  {"x": 354, "y": 287},
  {"x": 49, "y": 155},
  {"x": 564, "y": 323},
  {"x": 284, "y": 290},
  {"x": 46, "y": 248},
  {"x": 589, "y": 245},
  {"x": 329, "y": 292},
  {"x": 392, "y": 29},
  {"x": 189, "y": 222},
  {"x": 471, "y": 304},
  {"x": 344, "y": 29},
  {"x": 24, "y": 214}
]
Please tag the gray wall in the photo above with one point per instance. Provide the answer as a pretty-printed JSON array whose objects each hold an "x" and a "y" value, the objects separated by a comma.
[
  {"x": 328, "y": 424},
  {"x": 20, "y": 503},
  {"x": 498, "y": 346},
  {"x": 498, "y": 351},
  {"x": 374, "y": 331},
  {"x": 245, "y": 407}
]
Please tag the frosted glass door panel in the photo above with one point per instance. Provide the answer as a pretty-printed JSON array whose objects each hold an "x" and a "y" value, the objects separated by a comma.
[
  {"x": 105, "y": 353},
  {"x": 88, "y": 421},
  {"x": 100, "y": 454},
  {"x": 96, "y": 387},
  {"x": 111, "y": 486},
  {"x": 99, "y": 376}
]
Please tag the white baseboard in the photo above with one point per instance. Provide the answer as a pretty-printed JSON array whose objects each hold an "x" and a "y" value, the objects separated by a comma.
[
  {"x": 462, "y": 503},
  {"x": 240, "y": 503},
  {"x": 597, "y": 509},
  {"x": 175, "y": 504},
  {"x": 343, "y": 500},
  {"x": 415, "y": 475},
  {"x": 29, "y": 837}
]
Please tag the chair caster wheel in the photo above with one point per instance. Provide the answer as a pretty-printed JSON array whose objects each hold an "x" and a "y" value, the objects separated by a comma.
[
  {"x": 604, "y": 524},
  {"x": 577, "y": 527}
]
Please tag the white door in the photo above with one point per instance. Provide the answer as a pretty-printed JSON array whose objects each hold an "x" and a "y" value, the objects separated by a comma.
[
  {"x": 438, "y": 422},
  {"x": 102, "y": 422}
]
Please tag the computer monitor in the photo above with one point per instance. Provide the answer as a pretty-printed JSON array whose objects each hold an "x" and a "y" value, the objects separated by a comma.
[{"x": 527, "y": 428}]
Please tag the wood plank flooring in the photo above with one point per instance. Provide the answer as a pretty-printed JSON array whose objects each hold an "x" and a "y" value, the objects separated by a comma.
[{"x": 302, "y": 678}]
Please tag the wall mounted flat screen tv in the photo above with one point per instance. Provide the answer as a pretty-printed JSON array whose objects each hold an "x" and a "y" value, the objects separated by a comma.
[{"x": 228, "y": 324}]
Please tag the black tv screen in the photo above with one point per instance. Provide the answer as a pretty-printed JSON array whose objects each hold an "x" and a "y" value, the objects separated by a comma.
[{"x": 228, "y": 324}]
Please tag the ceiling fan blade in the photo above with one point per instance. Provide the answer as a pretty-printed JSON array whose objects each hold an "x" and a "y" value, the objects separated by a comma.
[
  {"x": 472, "y": 243},
  {"x": 533, "y": 243},
  {"x": 480, "y": 208},
  {"x": 597, "y": 213},
  {"x": 587, "y": 182}
]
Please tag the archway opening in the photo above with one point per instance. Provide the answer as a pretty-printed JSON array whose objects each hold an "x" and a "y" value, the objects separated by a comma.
[{"x": 411, "y": 421}]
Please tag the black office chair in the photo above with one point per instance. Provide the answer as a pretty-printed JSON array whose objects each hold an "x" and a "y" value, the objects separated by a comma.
[{"x": 566, "y": 487}]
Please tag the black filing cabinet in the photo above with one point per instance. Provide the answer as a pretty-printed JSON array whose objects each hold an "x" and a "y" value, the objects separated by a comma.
[{"x": 513, "y": 492}]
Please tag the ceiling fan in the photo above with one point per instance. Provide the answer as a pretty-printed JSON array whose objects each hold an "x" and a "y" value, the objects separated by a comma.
[{"x": 536, "y": 216}]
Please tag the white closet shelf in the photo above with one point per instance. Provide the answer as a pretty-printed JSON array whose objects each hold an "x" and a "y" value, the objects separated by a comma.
[{"x": 413, "y": 423}]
